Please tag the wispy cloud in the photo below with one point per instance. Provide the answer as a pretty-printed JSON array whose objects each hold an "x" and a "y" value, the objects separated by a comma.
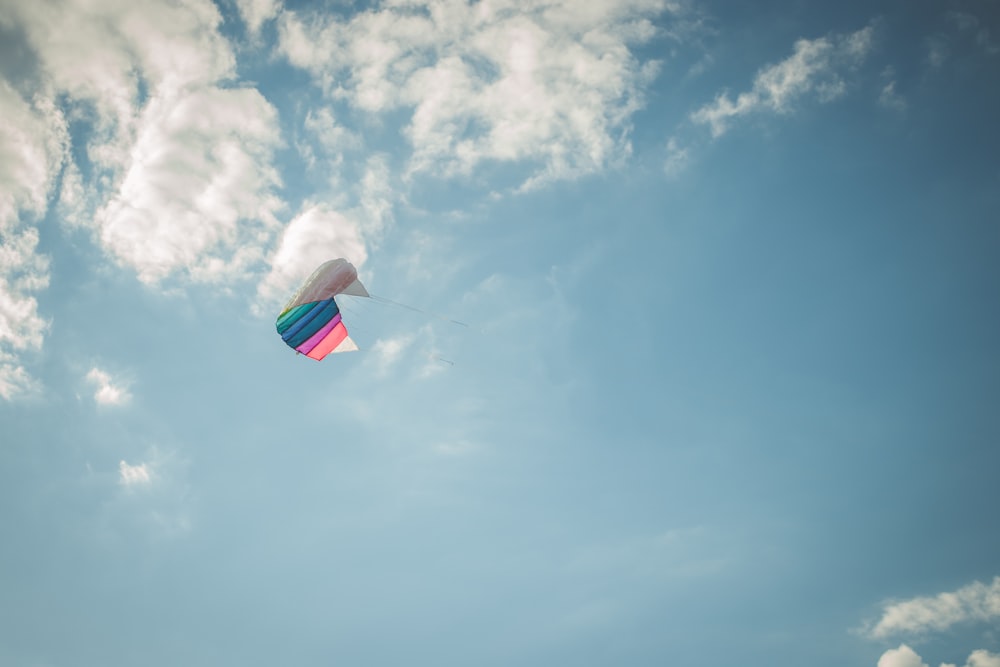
[
  {"x": 971, "y": 26},
  {"x": 153, "y": 495},
  {"x": 548, "y": 84},
  {"x": 133, "y": 475},
  {"x": 904, "y": 656},
  {"x": 975, "y": 602},
  {"x": 677, "y": 160},
  {"x": 890, "y": 99},
  {"x": 816, "y": 68},
  {"x": 388, "y": 351},
  {"x": 106, "y": 390},
  {"x": 256, "y": 12}
]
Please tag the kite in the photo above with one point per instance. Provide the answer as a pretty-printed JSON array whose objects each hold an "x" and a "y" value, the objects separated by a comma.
[{"x": 311, "y": 322}]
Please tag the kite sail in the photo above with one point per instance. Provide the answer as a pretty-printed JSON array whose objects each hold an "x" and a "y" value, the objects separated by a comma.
[{"x": 311, "y": 322}]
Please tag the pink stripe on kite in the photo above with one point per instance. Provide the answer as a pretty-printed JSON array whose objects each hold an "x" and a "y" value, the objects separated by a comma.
[
  {"x": 330, "y": 343},
  {"x": 314, "y": 340}
]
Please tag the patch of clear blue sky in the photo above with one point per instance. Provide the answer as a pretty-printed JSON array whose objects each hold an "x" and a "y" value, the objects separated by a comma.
[{"x": 719, "y": 418}]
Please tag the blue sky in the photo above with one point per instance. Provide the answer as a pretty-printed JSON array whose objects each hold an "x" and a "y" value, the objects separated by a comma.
[{"x": 727, "y": 393}]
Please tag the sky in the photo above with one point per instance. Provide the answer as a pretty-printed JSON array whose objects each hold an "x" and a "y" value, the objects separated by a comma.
[{"x": 687, "y": 350}]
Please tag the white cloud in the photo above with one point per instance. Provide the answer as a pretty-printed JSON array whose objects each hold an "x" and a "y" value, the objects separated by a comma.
[
  {"x": 196, "y": 197},
  {"x": 816, "y": 68},
  {"x": 983, "y": 658},
  {"x": 106, "y": 390},
  {"x": 325, "y": 142},
  {"x": 904, "y": 656},
  {"x": 33, "y": 142},
  {"x": 14, "y": 377},
  {"x": 551, "y": 85},
  {"x": 178, "y": 174},
  {"x": 100, "y": 53},
  {"x": 317, "y": 234},
  {"x": 975, "y": 602},
  {"x": 22, "y": 271},
  {"x": 256, "y": 12},
  {"x": 133, "y": 475}
]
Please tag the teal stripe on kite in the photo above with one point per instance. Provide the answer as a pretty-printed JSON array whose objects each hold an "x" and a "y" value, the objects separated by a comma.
[
  {"x": 316, "y": 323},
  {"x": 307, "y": 319},
  {"x": 291, "y": 316}
]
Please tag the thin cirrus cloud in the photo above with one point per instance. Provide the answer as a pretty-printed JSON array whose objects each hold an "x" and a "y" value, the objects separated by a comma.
[
  {"x": 976, "y": 602},
  {"x": 548, "y": 85},
  {"x": 816, "y": 68}
]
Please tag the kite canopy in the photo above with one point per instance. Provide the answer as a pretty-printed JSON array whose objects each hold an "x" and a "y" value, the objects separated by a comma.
[{"x": 311, "y": 323}]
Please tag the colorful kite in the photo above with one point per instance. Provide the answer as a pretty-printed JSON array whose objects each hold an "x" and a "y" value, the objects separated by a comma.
[{"x": 310, "y": 323}]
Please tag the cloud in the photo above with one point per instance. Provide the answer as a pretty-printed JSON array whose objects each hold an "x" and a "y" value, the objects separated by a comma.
[
  {"x": 975, "y": 602},
  {"x": 677, "y": 158},
  {"x": 890, "y": 99},
  {"x": 972, "y": 26},
  {"x": 904, "y": 656},
  {"x": 551, "y": 85},
  {"x": 33, "y": 141},
  {"x": 983, "y": 658},
  {"x": 133, "y": 475},
  {"x": 312, "y": 237},
  {"x": 388, "y": 351},
  {"x": 22, "y": 271},
  {"x": 106, "y": 54},
  {"x": 814, "y": 69},
  {"x": 154, "y": 497},
  {"x": 256, "y": 12},
  {"x": 196, "y": 196},
  {"x": 107, "y": 391},
  {"x": 176, "y": 176}
]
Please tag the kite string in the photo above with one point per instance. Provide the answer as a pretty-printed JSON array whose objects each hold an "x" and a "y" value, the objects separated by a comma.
[{"x": 382, "y": 299}]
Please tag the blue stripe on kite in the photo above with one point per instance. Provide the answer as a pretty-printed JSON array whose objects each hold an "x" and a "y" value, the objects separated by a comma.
[
  {"x": 307, "y": 319},
  {"x": 292, "y": 315},
  {"x": 304, "y": 333}
]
